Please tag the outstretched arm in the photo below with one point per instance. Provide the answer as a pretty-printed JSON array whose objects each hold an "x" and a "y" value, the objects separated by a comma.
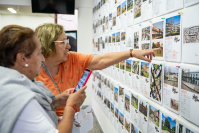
[{"x": 105, "y": 60}]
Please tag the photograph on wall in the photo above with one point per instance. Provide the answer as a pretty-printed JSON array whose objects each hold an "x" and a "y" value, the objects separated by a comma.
[
  {"x": 110, "y": 21},
  {"x": 117, "y": 74},
  {"x": 114, "y": 19},
  {"x": 173, "y": 39},
  {"x": 136, "y": 40},
  {"x": 121, "y": 122},
  {"x": 116, "y": 95},
  {"x": 113, "y": 38},
  {"x": 145, "y": 46},
  {"x": 134, "y": 129},
  {"x": 156, "y": 83},
  {"x": 127, "y": 125},
  {"x": 189, "y": 97},
  {"x": 106, "y": 25},
  {"x": 171, "y": 88},
  {"x": 127, "y": 95},
  {"x": 129, "y": 38},
  {"x": 112, "y": 114},
  {"x": 122, "y": 72},
  {"x": 116, "y": 119},
  {"x": 154, "y": 120},
  {"x": 130, "y": 12},
  {"x": 123, "y": 16},
  {"x": 112, "y": 92},
  {"x": 144, "y": 78},
  {"x": 137, "y": 11},
  {"x": 128, "y": 77},
  {"x": 134, "y": 109},
  {"x": 135, "y": 75},
  {"x": 143, "y": 116},
  {"x": 118, "y": 37},
  {"x": 190, "y": 46},
  {"x": 168, "y": 124},
  {"x": 119, "y": 12},
  {"x": 123, "y": 40},
  {"x": 146, "y": 33},
  {"x": 184, "y": 128},
  {"x": 121, "y": 99}
]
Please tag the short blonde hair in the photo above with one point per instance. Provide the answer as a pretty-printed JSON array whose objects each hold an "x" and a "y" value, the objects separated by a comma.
[{"x": 47, "y": 33}]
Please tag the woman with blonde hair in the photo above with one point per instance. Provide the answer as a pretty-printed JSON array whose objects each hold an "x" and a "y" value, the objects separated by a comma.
[
  {"x": 26, "y": 105},
  {"x": 63, "y": 69}
]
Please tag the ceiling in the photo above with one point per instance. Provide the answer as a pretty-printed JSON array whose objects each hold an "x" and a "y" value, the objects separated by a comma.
[{"x": 23, "y": 10}]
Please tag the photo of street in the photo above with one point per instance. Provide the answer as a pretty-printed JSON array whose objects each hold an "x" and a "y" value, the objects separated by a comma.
[
  {"x": 156, "y": 82},
  {"x": 191, "y": 35},
  {"x": 136, "y": 40},
  {"x": 173, "y": 26},
  {"x": 123, "y": 36},
  {"x": 124, "y": 7},
  {"x": 171, "y": 76},
  {"x": 158, "y": 44},
  {"x": 157, "y": 30},
  {"x": 137, "y": 8},
  {"x": 135, "y": 67},
  {"x": 174, "y": 104},
  {"x": 134, "y": 101},
  {"x": 127, "y": 103},
  {"x": 112, "y": 108},
  {"x": 127, "y": 125},
  {"x": 122, "y": 65},
  {"x": 133, "y": 129},
  {"x": 128, "y": 65},
  {"x": 190, "y": 80},
  {"x": 143, "y": 107},
  {"x": 154, "y": 115},
  {"x": 118, "y": 37},
  {"x": 116, "y": 113},
  {"x": 129, "y": 4},
  {"x": 116, "y": 95},
  {"x": 144, "y": 69},
  {"x": 146, "y": 34},
  {"x": 113, "y": 38},
  {"x": 121, "y": 118},
  {"x": 119, "y": 10},
  {"x": 168, "y": 124},
  {"x": 145, "y": 46}
]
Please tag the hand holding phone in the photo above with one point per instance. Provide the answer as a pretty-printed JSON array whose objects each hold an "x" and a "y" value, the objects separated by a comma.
[{"x": 83, "y": 80}]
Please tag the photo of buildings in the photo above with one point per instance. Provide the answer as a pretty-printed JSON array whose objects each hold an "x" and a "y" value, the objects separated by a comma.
[
  {"x": 134, "y": 101},
  {"x": 116, "y": 94},
  {"x": 116, "y": 113},
  {"x": 129, "y": 4},
  {"x": 191, "y": 35},
  {"x": 171, "y": 76},
  {"x": 124, "y": 7},
  {"x": 143, "y": 107},
  {"x": 119, "y": 10},
  {"x": 157, "y": 30},
  {"x": 122, "y": 65},
  {"x": 106, "y": 22},
  {"x": 108, "y": 103},
  {"x": 133, "y": 129},
  {"x": 146, "y": 34},
  {"x": 123, "y": 36},
  {"x": 117, "y": 37},
  {"x": 173, "y": 26},
  {"x": 158, "y": 44},
  {"x": 127, "y": 125},
  {"x": 156, "y": 82},
  {"x": 168, "y": 124},
  {"x": 127, "y": 103},
  {"x": 174, "y": 104},
  {"x": 105, "y": 100},
  {"x": 113, "y": 38},
  {"x": 121, "y": 92},
  {"x": 110, "y": 16},
  {"x": 114, "y": 20},
  {"x": 137, "y": 8},
  {"x": 145, "y": 46},
  {"x": 136, "y": 40},
  {"x": 135, "y": 67},
  {"x": 154, "y": 115},
  {"x": 128, "y": 65},
  {"x": 112, "y": 86},
  {"x": 190, "y": 80},
  {"x": 109, "y": 39},
  {"x": 112, "y": 108},
  {"x": 121, "y": 118},
  {"x": 144, "y": 69}
]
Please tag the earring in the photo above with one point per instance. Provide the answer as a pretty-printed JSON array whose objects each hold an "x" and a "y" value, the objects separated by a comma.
[{"x": 26, "y": 65}]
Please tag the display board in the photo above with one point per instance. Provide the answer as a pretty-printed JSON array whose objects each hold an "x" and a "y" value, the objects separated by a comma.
[{"x": 141, "y": 97}]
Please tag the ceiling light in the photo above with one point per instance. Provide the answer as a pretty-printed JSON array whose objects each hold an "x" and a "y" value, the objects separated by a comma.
[{"x": 12, "y": 10}]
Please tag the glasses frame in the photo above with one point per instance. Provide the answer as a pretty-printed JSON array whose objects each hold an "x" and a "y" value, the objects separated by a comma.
[{"x": 66, "y": 41}]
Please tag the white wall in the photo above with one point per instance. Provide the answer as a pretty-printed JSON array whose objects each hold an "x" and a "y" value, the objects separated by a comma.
[
  {"x": 27, "y": 21},
  {"x": 84, "y": 37}
]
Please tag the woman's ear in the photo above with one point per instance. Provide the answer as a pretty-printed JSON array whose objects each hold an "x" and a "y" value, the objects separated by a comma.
[{"x": 21, "y": 59}]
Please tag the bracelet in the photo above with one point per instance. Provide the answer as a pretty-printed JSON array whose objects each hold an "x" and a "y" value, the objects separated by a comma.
[
  {"x": 74, "y": 107},
  {"x": 131, "y": 52}
]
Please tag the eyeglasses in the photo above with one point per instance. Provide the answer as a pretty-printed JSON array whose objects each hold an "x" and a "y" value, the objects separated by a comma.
[
  {"x": 65, "y": 41},
  {"x": 77, "y": 124}
]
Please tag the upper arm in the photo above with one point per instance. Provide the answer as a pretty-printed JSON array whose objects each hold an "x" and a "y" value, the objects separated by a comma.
[
  {"x": 33, "y": 119},
  {"x": 95, "y": 63}
]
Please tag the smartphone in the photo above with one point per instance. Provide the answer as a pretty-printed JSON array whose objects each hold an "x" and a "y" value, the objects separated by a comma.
[{"x": 83, "y": 80}]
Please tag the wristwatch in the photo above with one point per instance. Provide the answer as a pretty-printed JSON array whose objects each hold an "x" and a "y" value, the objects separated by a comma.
[{"x": 53, "y": 106}]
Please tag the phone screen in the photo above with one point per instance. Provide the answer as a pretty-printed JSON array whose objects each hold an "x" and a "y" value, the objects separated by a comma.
[{"x": 82, "y": 80}]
